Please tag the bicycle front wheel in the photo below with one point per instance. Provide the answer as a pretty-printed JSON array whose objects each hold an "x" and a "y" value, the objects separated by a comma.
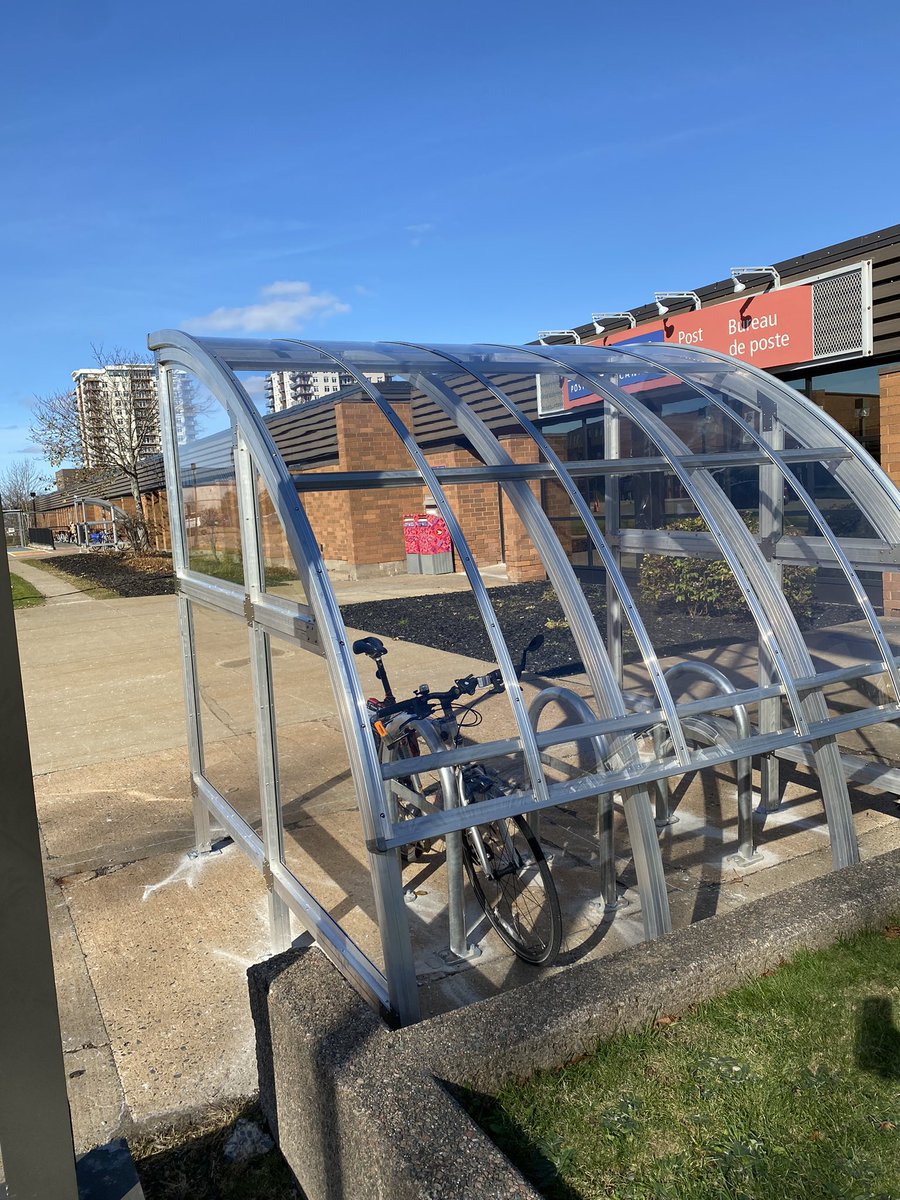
[{"x": 517, "y": 891}]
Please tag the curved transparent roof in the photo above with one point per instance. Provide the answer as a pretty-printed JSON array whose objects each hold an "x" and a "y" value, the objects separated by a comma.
[{"x": 690, "y": 455}]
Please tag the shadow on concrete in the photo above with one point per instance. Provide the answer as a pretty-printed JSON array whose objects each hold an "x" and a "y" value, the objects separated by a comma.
[{"x": 877, "y": 1038}]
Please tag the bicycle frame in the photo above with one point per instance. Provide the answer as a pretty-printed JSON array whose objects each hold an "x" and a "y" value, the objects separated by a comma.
[{"x": 443, "y": 734}]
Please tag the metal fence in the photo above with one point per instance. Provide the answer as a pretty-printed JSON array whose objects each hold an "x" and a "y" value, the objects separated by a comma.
[{"x": 15, "y": 522}]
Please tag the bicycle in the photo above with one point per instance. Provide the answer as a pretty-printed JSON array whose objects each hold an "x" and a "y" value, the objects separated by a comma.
[{"x": 503, "y": 859}]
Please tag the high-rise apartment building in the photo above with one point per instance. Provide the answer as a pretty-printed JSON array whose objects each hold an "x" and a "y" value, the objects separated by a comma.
[
  {"x": 284, "y": 389},
  {"x": 117, "y": 407}
]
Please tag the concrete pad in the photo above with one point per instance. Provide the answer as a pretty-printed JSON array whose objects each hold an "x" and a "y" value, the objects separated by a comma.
[
  {"x": 104, "y": 814},
  {"x": 167, "y": 943},
  {"x": 102, "y": 680},
  {"x": 96, "y": 1101}
]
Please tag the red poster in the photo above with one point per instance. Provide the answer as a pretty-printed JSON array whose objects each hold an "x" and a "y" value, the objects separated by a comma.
[
  {"x": 434, "y": 537},
  {"x": 411, "y": 533}
]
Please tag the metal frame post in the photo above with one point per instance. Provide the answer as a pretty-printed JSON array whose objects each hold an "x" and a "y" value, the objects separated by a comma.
[
  {"x": 771, "y": 530},
  {"x": 263, "y": 693},
  {"x": 180, "y": 562},
  {"x": 612, "y": 432},
  {"x": 35, "y": 1128}
]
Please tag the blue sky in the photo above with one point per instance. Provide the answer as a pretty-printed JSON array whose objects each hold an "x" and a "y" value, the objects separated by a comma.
[{"x": 412, "y": 170}]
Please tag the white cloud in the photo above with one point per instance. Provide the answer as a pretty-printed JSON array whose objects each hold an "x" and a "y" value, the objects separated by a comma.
[
  {"x": 282, "y": 308},
  {"x": 254, "y": 385},
  {"x": 418, "y": 232}
]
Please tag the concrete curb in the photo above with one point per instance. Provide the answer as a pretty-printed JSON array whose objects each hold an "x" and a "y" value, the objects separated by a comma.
[{"x": 360, "y": 1110}]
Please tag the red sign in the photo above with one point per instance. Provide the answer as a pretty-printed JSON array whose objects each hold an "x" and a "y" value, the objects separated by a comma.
[{"x": 769, "y": 330}]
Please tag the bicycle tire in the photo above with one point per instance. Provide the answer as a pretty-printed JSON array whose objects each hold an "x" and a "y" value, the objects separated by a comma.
[{"x": 523, "y": 907}]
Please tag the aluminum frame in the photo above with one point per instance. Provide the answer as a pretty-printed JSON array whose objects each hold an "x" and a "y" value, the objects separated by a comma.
[{"x": 787, "y": 671}]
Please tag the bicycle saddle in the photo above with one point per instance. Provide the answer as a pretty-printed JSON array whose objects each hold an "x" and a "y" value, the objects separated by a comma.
[{"x": 373, "y": 646}]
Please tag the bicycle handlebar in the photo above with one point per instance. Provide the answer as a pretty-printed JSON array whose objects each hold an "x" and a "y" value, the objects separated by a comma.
[{"x": 423, "y": 704}]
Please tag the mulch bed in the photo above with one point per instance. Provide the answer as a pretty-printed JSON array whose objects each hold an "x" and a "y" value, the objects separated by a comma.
[
  {"x": 450, "y": 621},
  {"x": 124, "y": 573}
]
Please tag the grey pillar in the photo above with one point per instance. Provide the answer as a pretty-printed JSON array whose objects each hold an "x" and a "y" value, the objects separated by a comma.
[{"x": 35, "y": 1128}]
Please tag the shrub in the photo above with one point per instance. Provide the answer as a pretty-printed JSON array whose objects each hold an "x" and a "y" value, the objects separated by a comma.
[{"x": 701, "y": 586}]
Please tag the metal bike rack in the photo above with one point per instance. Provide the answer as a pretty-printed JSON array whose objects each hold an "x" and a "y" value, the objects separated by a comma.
[
  {"x": 711, "y": 733},
  {"x": 456, "y": 910},
  {"x": 592, "y": 755},
  {"x": 762, "y": 424}
]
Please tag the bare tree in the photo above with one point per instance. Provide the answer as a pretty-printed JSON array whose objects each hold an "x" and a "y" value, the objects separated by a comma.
[
  {"x": 18, "y": 480},
  {"x": 116, "y": 428},
  {"x": 55, "y": 428}
]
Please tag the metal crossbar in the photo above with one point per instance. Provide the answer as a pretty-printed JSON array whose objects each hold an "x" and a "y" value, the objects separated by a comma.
[{"x": 343, "y": 481}]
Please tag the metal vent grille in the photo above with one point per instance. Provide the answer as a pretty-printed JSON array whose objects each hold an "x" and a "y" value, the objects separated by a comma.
[
  {"x": 838, "y": 314},
  {"x": 549, "y": 394}
]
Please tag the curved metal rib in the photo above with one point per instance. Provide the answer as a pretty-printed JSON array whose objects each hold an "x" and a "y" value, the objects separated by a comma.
[
  {"x": 530, "y": 751},
  {"x": 707, "y": 496},
  {"x": 876, "y": 495},
  {"x": 808, "y": 503},
  {"x": 763, "y": 596},
  {"x": 177, "y": 349},
  {"x": 569, "y": 591}
]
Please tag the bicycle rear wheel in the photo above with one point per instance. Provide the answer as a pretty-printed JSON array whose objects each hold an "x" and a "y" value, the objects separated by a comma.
[{"x": 518, "y": 894}]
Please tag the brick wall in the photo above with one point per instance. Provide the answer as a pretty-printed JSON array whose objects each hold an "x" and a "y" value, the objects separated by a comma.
[
  {"x": 890, "y": 460},
  {"x": 362, "y": 531},
  {"x": 475, "y": 505}
]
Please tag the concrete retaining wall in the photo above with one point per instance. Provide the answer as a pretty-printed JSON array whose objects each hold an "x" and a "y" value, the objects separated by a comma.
[{"x": 363, "y": 1111}]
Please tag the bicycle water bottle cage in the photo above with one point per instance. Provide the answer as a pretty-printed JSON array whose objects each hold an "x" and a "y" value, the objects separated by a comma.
[{"x": 372, "y": 646}]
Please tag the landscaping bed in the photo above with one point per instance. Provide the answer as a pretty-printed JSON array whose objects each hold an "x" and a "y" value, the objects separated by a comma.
[
  {"x": 121, "y": 572},
  {"x": 450, "y": 621},
  {"x": 125, "y": 573},
  {"x": 786, "y": 1087}
]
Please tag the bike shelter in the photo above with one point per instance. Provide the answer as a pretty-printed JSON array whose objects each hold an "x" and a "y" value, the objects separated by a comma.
[{"x": 688, "y": 456}]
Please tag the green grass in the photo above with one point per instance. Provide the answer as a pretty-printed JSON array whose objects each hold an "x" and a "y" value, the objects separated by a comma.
[
  {"x": 24, "y": 594},
  {"x": 786, "y": 1088},
  {"x": 229, "y": 565}
]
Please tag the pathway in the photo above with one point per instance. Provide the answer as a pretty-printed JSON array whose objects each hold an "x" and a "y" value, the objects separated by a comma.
[{"x": 56, "y": 590}]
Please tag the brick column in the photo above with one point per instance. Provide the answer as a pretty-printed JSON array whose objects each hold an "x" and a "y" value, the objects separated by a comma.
[
  {"x": 373, "y": 517},
  {"x": 475, "y": 505},
  {"x": 889, "y": 388},
  {"x": 523, "y": 563}
]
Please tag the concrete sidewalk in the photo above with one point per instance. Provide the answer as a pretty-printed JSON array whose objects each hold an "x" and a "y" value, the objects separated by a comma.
[
  {"x": 152, "y": 945},
  {"x": 48, "y": 584}
]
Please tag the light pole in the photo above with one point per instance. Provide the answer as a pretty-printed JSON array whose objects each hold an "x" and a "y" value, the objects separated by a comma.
[{"x": 34, "y": 509}]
